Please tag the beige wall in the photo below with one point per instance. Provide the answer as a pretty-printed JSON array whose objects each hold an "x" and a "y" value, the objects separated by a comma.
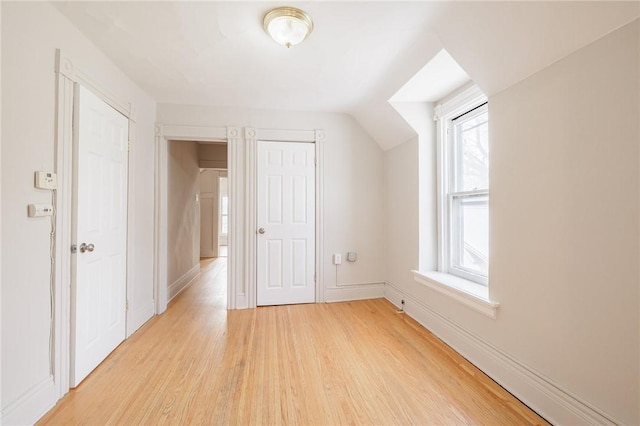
[
  {"x": 184, "y": 211},
  {"x": 564, "y": 231},
  {"x": 212, "y": 155}
]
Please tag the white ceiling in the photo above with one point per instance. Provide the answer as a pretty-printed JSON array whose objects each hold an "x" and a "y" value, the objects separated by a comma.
[
  {"x": 441, "y": 76},
  {"x": 358, "y": 56}
]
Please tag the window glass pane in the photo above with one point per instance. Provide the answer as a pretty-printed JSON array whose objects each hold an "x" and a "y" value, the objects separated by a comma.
[
  {"x": 472, "y": 151},
  {"x": 224, "y": 205},
  {"x": 225, "y": 225},
  {"x": 470, "y": 232}
]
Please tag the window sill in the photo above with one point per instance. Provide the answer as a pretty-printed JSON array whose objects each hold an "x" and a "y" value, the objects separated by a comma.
[{"x": 467, "y": 292}]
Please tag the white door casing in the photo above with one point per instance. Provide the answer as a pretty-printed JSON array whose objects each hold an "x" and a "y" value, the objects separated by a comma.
[
  {"x": 99, "y": 221},
  {"x": 286, "y": 223}
]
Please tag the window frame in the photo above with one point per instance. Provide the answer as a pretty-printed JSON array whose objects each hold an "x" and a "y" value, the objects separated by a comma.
[{"x": 462, "y": 103}]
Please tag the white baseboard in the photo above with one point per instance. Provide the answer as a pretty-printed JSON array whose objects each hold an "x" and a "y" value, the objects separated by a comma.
[
  {"x": 183, "y": 282},
  {"x": 542, "y": 394},
  {"x": 32, "y": 405},
  {"x": 356, "y": 292},
  {"x": 136, "y": 318}
]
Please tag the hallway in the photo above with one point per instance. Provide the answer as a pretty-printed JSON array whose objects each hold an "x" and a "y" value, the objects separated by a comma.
[{"x": 353, "y": 362}]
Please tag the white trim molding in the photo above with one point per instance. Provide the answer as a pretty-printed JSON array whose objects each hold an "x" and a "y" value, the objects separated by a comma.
[
  {"x": 471, "y": 294},
  {"x": 251, "y": 146},
  {"x": 543, "y": 395},
  {"x": 359, "y": 292},
  {"x": 252, "y": 137},
  {"x": 68, "y": 75},
  {"x": 165, "y": 133},
  {"x": 182, "y": 283},
  {"x": 32, "y": 405},
  {"x": 456, "y": 104},
  {"x": 320, "y": 138},
  {"x": 242, "y": 145},
  {"x": 236, "y": 282},
  {"x": 67, "y": 68}
]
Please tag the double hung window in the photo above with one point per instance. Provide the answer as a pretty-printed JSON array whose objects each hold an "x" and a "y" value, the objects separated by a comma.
[{"x": 464, "y": 191}]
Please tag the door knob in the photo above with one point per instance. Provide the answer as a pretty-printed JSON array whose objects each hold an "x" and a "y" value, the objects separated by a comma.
[
  {"x": 261, "y": 231},
  {"x": 86, "y": 247}
]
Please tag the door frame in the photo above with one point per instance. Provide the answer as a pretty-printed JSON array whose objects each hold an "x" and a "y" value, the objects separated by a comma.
[
  {"x": 68, "y": 75},
  {"x": 252, "y": 136},
  {"x": 260, "y": 186},
  {"x": 164, "y": 134}
]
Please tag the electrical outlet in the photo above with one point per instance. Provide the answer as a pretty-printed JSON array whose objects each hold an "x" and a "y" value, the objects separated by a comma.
[
  {"x": 352, "y": 256},
  {"x": 337, "y": 259}
]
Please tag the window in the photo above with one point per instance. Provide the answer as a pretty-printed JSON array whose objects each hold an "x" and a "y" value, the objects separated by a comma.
[
  {"x": 464, "y": 187},
  {"x": 224, "y": 210}
]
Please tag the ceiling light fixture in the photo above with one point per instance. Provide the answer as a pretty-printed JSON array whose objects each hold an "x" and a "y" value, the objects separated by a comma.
[{"x": 288, "y": 26}]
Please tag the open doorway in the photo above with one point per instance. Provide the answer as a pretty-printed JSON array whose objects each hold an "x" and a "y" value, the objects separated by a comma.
[{"x": 198, "y": 215}]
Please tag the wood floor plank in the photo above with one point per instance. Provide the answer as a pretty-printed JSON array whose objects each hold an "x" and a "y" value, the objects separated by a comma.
[{"x": 318, "y": 364}]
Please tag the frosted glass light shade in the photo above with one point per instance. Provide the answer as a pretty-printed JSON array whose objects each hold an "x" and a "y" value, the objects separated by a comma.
[{"x": 287, "y": 26}]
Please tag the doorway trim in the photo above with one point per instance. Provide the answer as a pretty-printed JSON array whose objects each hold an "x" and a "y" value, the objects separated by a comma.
[
  {"x": 68, "y": 75},
  {"x": 164, "y": 134},
  {"x": 252, "y": 136}
]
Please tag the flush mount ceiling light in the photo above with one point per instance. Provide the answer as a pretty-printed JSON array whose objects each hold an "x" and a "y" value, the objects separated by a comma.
[{"x": 288, "y": 26}]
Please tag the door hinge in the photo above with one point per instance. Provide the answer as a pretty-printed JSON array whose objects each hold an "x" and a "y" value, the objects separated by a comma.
[
  {"x": 315, "y": 160},
  {"x": 126, "y": 306},
  {"x": 129, "y": 146}
]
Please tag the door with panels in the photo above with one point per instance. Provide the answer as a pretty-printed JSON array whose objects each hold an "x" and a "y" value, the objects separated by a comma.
[
  {"x": 99, "y": 233},
  {"x": 286, "y": 223}
]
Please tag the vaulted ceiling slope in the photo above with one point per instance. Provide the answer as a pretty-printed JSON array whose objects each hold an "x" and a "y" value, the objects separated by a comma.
[{"x": 358, "y": 56}]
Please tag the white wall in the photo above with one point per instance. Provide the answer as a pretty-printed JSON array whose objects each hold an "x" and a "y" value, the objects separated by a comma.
[
  {"x": 401, "y": 189},
  {"x": 564, "y": 234},
  {"x": 183, "y": 214},
  {"x": 353, "y": 194},
  {"x": 30, "y": 34}
]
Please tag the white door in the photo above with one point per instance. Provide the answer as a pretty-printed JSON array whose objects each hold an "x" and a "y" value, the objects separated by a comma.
[
  {"x": 286, "y": 223},
  {"x": 98, "y": 306}
]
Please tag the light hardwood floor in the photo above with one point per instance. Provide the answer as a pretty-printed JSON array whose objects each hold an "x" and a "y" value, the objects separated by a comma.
[{"x": 342, "y": 363}]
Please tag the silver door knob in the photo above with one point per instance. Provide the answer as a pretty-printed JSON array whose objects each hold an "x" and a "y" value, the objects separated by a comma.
[
  {"x": 261, "y": 231},
  {"x": 86, "y": 247}
]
